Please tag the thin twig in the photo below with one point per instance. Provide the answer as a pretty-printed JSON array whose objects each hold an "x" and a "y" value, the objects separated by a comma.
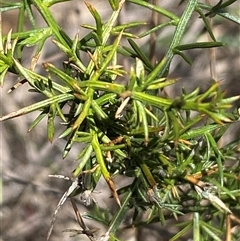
[
  {"x": 212, "y": 52},
  {"x": 86, "y": 230},
  {"x": 153, "y": 37}
]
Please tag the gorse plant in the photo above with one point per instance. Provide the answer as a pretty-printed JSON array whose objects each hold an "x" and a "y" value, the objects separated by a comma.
[{"x": 166, "y": 147}]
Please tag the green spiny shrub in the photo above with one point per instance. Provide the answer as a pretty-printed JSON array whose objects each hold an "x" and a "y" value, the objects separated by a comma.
[{"x": 167, "y": 147}]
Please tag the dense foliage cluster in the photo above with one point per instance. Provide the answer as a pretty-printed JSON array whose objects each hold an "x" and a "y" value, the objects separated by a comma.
[{"x": 166, "y": 147}]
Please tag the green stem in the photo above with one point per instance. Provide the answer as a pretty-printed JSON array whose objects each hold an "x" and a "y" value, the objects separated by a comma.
[
  {"x": 163, "y": 66},
  {"x": 48, "y": 17}
]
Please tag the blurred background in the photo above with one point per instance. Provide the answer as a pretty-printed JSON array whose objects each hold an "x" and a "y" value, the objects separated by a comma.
[{"x": 28, "y": 196}]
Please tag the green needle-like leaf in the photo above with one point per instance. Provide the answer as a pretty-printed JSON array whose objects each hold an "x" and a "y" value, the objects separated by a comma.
[
  {"x": 121, "y": 213},
  {"x": 38, "y": 106},
  {"x": 38, "y": 119},
  {"x": 98, "y": 20},
  {"x": 199, "y": 45}
]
